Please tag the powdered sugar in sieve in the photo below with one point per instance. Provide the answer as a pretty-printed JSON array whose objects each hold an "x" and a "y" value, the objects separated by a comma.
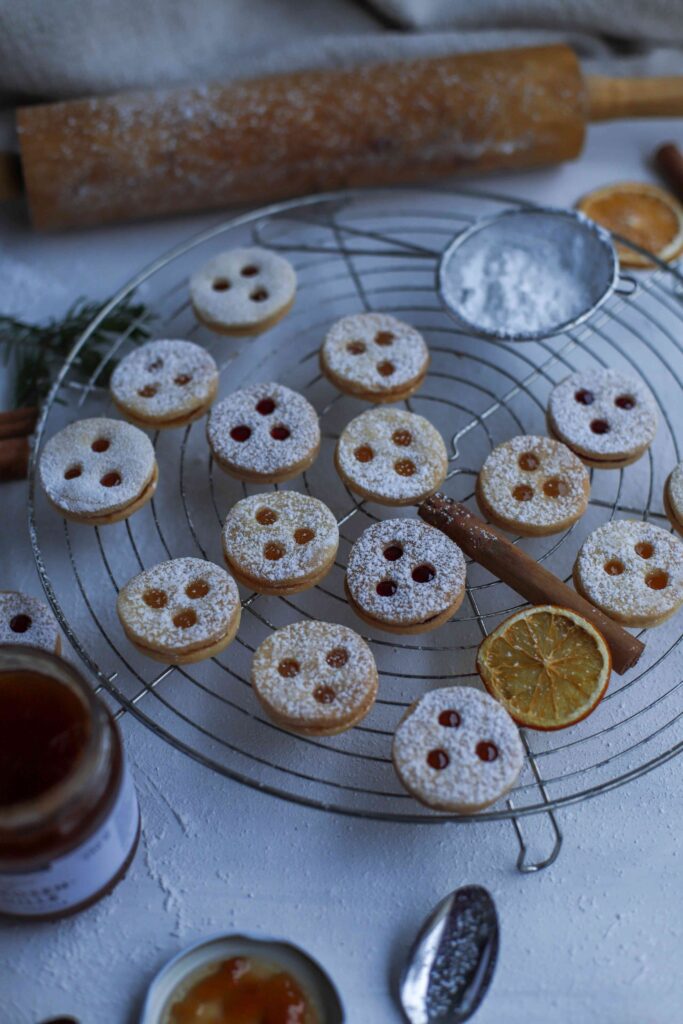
[{"x": 527, "y": 274}]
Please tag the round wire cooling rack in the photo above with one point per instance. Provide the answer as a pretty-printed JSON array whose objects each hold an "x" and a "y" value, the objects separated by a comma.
[{"x": 354, "y": 251}]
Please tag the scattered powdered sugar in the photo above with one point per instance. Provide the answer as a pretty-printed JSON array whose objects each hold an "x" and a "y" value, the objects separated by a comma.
[
  {"x": 151, "y": 626},
  {"x": 393, "y": 439},
  {"x": 420, "y": 545},
  {"x": 501, "y": 475},
  {"x": 675, "y": 491},
  {"x": 517, "y": 288},
  {"x": 309, "y": 645},
  {"x": 246, "y": 538},
  {"x": 165, "y": 379},
  {"x": 375, "y": 352},
  {"x": 631, "y": 425},
  {"x": 26, "y": 620},
  {"x": 467, "y": 782},
  {"x": 260, "y": 453},
  {"x": 128, "y": 454},
  {"x": 242, "y": 287},
  {"x": 625, "y": 594}
]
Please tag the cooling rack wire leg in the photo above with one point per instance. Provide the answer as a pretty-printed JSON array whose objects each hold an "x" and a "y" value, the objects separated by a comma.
[{"x": 531, "y": 867}]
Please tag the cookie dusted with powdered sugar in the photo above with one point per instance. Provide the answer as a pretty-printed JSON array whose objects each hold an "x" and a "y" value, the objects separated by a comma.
[
  {"x": 391, "y": 456},
  {"x": 243, "y": 291},
  {"x": 98, "y": 471},
  {"x": 266, "y": 433},
  {"x": 404, "y": 576},
  {"x": 632, "y": 571},
  {"x": 533, "y": 486},
  {"x": 315, "y": 678},
  {"x": 457, "y": 749},
  {"x": 608, "y": 418},
  {"x": 165, "y": 383},
  {"x": 26, "y": 620},
  {"x": 673, "y": 497},
  {"x": 180, "y": 611},
  {"x": 280, "y": 543},
  {"x": 374, "y": 356}
]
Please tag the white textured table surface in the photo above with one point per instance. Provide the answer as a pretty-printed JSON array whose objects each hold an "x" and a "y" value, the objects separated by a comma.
[{"x": 596, "y": 938}]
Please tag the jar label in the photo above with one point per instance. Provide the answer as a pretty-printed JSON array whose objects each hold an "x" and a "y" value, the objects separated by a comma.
[{"x": 80, "y": 874}]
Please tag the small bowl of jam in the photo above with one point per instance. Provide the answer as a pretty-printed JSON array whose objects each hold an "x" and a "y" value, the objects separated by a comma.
[{"x": 241, "y": 979}]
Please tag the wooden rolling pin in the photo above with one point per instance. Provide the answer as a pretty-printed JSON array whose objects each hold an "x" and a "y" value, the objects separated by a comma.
[
  {"x": 486, "y": 545},
  {"x": 150, "y": 153}
]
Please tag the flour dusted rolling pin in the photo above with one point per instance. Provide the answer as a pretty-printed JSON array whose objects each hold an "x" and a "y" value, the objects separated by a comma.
[
  {"x": 145, "y": 154},
  {"x": 486, "y": 545}
]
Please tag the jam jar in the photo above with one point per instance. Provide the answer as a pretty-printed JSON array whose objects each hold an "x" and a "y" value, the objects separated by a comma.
[{"x": 69, "y": 816}]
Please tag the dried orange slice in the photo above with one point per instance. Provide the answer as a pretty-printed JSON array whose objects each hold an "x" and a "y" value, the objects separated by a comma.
[
  {"x": 645, "y": 214},
  {"x": 548, "y": 666}
]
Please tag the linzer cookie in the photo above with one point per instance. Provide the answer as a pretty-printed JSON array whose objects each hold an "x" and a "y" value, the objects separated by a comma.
[
  {"x": 374, "y": 356},
  {"x": 405, "y": 577},
  {"x": 98, "y": 471},
  {"x": 280, "y": 543},
  {"x": 26, "y": 620},
  {"x": 458, "y": 750},
  {"x": 609, "y": 419},
  {"x": 391, "y": 456},
  {"x": 315, "y": 678},
  {"x": 632, "y": 571},
  {"x": 165, "y": 383},
  {"x": 180, "y": 611},
  {"x": 265, "y": 433},
  {"x": 533, "y": 486},
  {"x": 673, "y": 497},
  {"x": 243, "y": 291}
]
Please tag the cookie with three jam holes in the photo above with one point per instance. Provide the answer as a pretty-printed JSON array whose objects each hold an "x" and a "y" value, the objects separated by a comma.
[
  {"x": 457, "y": 749},
  {"x": 280, "y": 543},
  {"x": 315, "y": 678},
  {"x": 533, "y": 486},
  {"x": 165, "y": 383},
  {"x": 632, "y": 571},
  {"x": 391, "y": 456},
  {"x": 264, "y": 434},
  {"x": 243, "y": 291},
  {"x": 98, "y": 471},
  {"x": 181, "y": 611},
  {"x": 403, "y": 576},
  {"x": 26, "y": 620},
  {"x": 673, "y": 497},
  {"x": 375, "y": 357},
  {"x": 608, "y": 419}
]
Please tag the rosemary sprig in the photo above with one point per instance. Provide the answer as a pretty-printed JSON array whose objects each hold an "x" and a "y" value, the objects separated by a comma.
[{"x": 36, "y": 351}]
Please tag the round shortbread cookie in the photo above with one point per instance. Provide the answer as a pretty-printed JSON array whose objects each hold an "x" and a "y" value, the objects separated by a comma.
[
  {"x": 632, "y": 571},
  {"x": 266, "y": 433},
  {"x": 404, "y": 576},
  {"x": 608, "y": 418},
  {"x": 280, "y": 543},
  {"x": 165, "y": 383},
  {"x": 315, "y": 678},
  {"x": 457, "y": 749},
  {"x": 533, "y": 485},
  {"x": 673, "y": 497},
  {"x": 243, "y": 291},
  {"x": 391, "y": 456},
  {"x": 98, "y": 471},
  {"x": 180, "y": 611},
  {"x": 374, "y": 356},
  {"x": 26, "y": 620}
]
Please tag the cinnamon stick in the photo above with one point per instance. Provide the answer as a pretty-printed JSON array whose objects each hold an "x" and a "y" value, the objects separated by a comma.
[
  {"x": 18, "y": 422},
  {"x": 14, "y": 453},
  {"x": 668, "y": 161},
  {"x": 509, "y": 563}
]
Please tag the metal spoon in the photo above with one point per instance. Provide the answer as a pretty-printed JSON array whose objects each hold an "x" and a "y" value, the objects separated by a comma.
[{"x": 451, "y": 963}]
